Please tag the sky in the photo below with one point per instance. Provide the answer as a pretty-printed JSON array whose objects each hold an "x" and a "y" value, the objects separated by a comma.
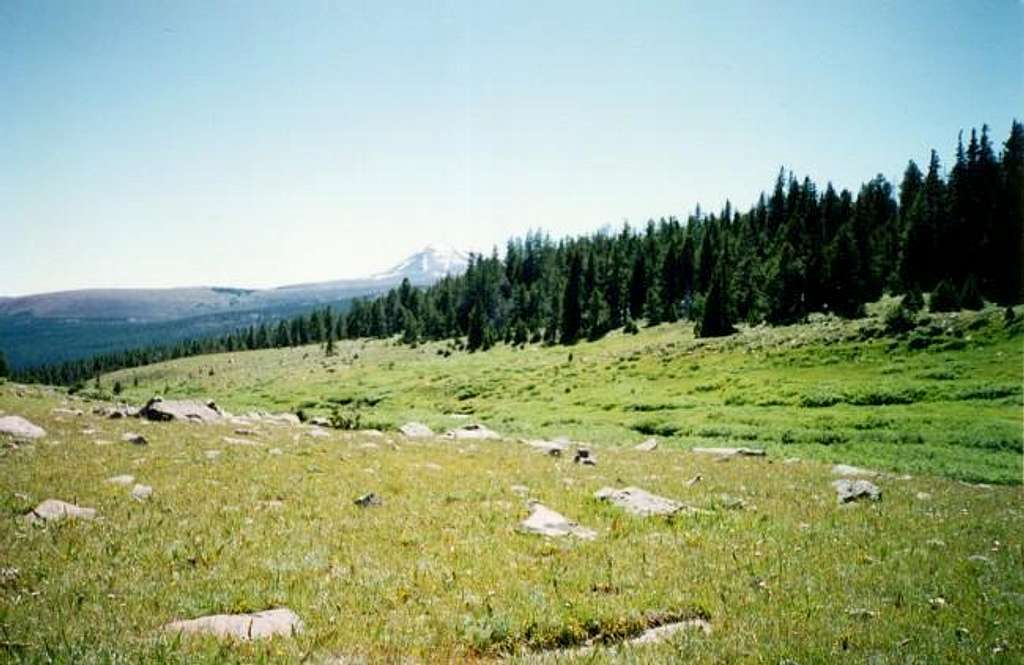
[{"x": 177, "y": 143}]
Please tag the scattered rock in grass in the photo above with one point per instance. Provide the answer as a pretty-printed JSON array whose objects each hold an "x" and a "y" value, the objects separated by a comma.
[
  {"x": 376, "y": 433},
  {"x": 696, "y": 479},
  {"x": 583, "y": 456},
  {"x": 852, "y": 490},
  {"x": 116, "y": 412},
  {"x": 212, "y": 454},
  {"x": 546, "y": 522},
  {"x": 732, "y": 502},
  {"x": 723, "y": 453},
  {"x": 187, "y": 409},
  {"x": 134, "y": 438},
  {"x": 647, "y": 446},
  {"x": 17, "y": 427},
  {"x": 472, "y": 431},
  {"x": 553, "y": 448},
  {"x": 63, "y": 411},
  {"x": 521, "y": 490},
  {"x": 666, "y": 632},
  {"x": 847, "y": 470},
  {"x": 142, "y": 492},
  {"x": 640, "y": 502},
  {"x": 922, "y": 496},
  {"x": 369, "y": 445},
  {"x": 54, "y": 509},
  {"x": 122, "y": 480},
  {"x": 791, "y": 460},
  {"x": 979, "y": 558},
  {"x": 244, "y": 431},
  {"x": 102, "y": 442},
  {"x": 275, "y": 451},
  {"x": 367, "y": 500},
  {"x": 244, "y": 627},
  {"x": 416, "y": 430},
  {"x": 232, "y": 441},
  {"x": 935, "y": 542},
  {"x": 861, "y": 613},
  {"x": 8, "y": 576},
  {"x": 319, "y": 421},
  {"x": 937, "y": 603},
  {"x": 318, "y": 433}
]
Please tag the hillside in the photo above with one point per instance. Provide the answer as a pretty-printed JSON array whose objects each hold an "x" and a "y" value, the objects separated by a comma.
[
  {"x": 760, "y": 564},
  {"x": 53, "y": 327}
]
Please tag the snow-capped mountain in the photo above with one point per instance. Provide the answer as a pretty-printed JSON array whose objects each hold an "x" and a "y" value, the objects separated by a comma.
[{"x": 427, "y": 266}]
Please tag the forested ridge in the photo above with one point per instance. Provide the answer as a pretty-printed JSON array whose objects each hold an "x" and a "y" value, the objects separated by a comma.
[{"x": 957, "y": 233}]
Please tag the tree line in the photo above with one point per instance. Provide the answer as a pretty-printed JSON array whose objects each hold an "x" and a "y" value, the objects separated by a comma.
[{"x": 798, "y": 249}]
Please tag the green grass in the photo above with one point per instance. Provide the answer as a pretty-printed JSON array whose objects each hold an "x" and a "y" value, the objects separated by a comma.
[
  {"x": 829, "y": 390},
  {"x": 439, "y": 572}
]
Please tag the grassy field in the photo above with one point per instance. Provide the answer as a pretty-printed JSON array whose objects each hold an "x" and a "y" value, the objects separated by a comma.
[
  {"x": 830, "y": 390},
  {"x": 934, "y": 572}
]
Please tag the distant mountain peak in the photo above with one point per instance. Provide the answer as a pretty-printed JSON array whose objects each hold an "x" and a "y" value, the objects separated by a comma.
[{"x": 427, "y": 265}]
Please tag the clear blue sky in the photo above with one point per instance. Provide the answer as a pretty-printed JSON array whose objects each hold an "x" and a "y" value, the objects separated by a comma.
[{"x": 261, "y": 143}]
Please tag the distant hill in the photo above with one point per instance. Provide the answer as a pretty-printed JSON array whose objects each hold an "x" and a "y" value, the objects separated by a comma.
[{"x": 65, "y": 325}]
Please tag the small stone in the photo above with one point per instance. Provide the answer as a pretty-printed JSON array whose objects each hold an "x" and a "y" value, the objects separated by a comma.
[
  {"x": 367, "y": 500},
  {"x": 647, "y": 446},
  {"x": 640, "y": 502},
  {"x": 142, "y": 492},
  {"x": 922, "y": 496},
  {"x": 546, "y": 522},
  {"x": 696, "y": 479},
  {"x": 275, "y": 451},
  {"x": 212, "y": 454},
  {"x": 584, "y": 457},
  {"x": 852, "y": 490},
  {"x": 416, "y": 430},
  {"x": 134, "y": 438},
  {"x": 472, "y": 431},
  {"x": 53, "y": 509},
  {"x": 243, "y": 627},
  {"x": 937, "y": 603},
  {"x": 233, "y": 441},
  {"x": 553, "y": 448},
  {"x": 663, "y": 633},
  {"x": 122, "y": 480}
]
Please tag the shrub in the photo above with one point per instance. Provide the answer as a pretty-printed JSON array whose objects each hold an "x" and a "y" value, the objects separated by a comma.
[
  {"x": 913, "y": 300},
  {"x": 899, "y": 320},
  {"x": 944, "y": 298},
  {"x": 970, "y": 296}
]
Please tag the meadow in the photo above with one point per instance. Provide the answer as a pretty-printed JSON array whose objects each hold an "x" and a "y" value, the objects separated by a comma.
[{"x": 441, "y": 571}]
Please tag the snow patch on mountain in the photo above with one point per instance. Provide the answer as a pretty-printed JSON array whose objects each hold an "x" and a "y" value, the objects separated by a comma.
[{"x": 427, "y": 266}]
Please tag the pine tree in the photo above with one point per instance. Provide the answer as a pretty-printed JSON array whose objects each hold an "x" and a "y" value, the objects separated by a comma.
[
  {"x": 4, "y": 369},
  {"x": 715, "y": 320},
  {"x": 970, "y": 295},
  {"x": 1009, "y": 288},
  {"x": 572, "y": 319},
  {"x": 944, "y": 298}
]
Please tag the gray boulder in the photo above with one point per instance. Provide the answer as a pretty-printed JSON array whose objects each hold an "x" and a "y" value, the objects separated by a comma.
[
  {"x": 187, "y": 409},
  {"x": 17, "y": 427},
  {"x": 853, "y": 490},
  {"x": 53, "y": 509},
  {"x": 416, "y": 430},
  {"x": 142, "y": 492},
  {"x": 647, "y": 446},
  {"x": 546, "y": 522},
  {"x": 134, "y": 438},
  {"x": 472, "y": 431},
  {"x": 640, "y": 502},
  {"x": 731, "y": 452},
  {"x": 243, "y": 627},
  {"x": 847, "y": 470},
  {"x": 553, "y": 448}
]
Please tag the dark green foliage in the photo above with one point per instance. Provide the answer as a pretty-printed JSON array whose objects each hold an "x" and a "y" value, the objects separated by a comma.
[
  {"x": 913, "y": 300},
  {"x": 970, "y": 296},
  {"x": 899, "y": 319},
  {"x": 715, "y": 321},
  {"x": 3, "y": 365},
  {"x": 944, "y": 298},
  {"x": 118, "y": 388}
]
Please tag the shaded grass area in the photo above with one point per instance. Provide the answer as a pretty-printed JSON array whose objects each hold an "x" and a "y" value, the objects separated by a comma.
[
  {"x": 840, "y": 391},
  {"x": 440, "y": 573}
]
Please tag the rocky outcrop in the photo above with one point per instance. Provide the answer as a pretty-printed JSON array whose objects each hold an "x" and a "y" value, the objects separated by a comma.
[
  {"x": 640, "y": 502},
  {"x": 17, "y": 427},
  {"x": 416, "y": 431},
  {"x": 854, "y": 490},
  {"x": 53, "y": 509},
  {"x": 546, "y": 522},
  {"x": 186, "y": 409},
  {"x": 244, "y": 627}
]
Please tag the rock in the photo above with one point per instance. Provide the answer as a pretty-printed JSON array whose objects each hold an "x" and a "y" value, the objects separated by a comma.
[
  {"x": 472, "y": 431},
  {"x": 53, "y": 509},
  {"x": 242, "y": 627},
  {"x": 275, "y": 451},
  {"x": 847, "y": 470},
  {"x": 852, "y": 490},
  {"x": 693, "y": 481},
  {"x": 116, "y": 412},
  {"x": 367, "y": 500},
  {"x": 731, "y": 452},
  {"x": 232, "y": 441},
  {"x": 319, "y": 421},
  {"x": 280, "y": 418},
  {"x": 318, "y": 433},
  {"x": 521, "y": 490},
  {"x": 134, "y": 438},
  {"x": 142, "y": 492},
  {"x": 640, "y": 502},
  {"x": 647, "y": 446},
  {"x": 187, "y": 409},
  {"x": 584, "y": 457},
  {"x": 244, "y": 431},
  {"x": 122, "y": 480},
  {"x": 212, "y": 454},
  {"x": 663, "y": 633},
  {"x": 416, "y": 430},
  {"x": 922, "y": 496},
  {"x": 546, "y": 522},
  {"x": 63, "y": 411},
  {"x": 553, "y": 448},
  {"x": 17, "y": 427}
]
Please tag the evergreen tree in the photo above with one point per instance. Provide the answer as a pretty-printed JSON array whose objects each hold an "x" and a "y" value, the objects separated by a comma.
[
  {"x": 944, "y": 298},
  {"x": 970, "y": 295},
  {"x": 715, "y": 320},
  {"x": 4, "y": 369},
  {"x": 571, "y": 312}
]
